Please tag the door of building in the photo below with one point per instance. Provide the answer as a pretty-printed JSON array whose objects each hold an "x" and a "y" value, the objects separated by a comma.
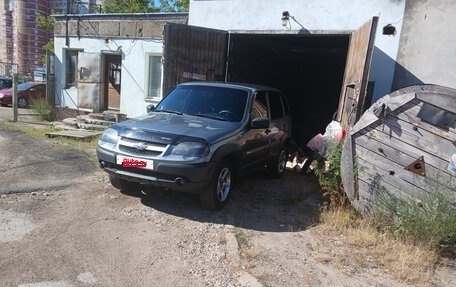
[
  {"x": 353, "y": 95},
  {"x": 112, "y": 75}
]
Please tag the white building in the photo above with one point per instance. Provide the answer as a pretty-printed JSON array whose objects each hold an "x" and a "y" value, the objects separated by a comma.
[
  {"x": 110, "y": 62},
  {"x": 326, "y": 55}
]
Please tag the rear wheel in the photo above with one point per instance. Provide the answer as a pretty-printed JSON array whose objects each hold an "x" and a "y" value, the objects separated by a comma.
[
  {"x": 219, "y": 192},
  {"x": 277, "y": 164},
  {"x": 124, "y": 185},
  {"x": 22, "y": 103}
]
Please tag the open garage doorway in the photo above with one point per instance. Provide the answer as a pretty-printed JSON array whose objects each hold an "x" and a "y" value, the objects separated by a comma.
[
  {"x": 309, "y": 69},
  {"x": 323, "y": 75}
]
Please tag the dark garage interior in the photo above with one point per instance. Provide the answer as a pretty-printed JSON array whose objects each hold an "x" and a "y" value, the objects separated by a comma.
[{"x": 309, "y": 69}]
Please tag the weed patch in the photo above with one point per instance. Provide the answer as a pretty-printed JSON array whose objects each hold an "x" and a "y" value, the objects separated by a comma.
[
  {"x": 43, "y": 110},
  {"x": 366, "y": 246}
]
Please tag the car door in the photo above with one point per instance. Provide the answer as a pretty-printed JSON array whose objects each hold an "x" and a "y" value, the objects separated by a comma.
[
  {"x": 37, "y": 92},
  {"x": 255, "y": 142},
  {"x": 278, "y": 126}
]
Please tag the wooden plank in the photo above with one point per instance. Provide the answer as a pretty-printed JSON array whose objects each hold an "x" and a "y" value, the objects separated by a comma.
[
  {"x": 370, "y": 164},
  {"x": 392, "y": 103},
  {"x": 356, "y": 74},
  {"x": 409, "y": 111},
  {"x": 414, "y": 146},
  {"x": 77, "y": 134},
  {"x": 434, "y": 165},
  {"x": 193, "y": 50},
  {"x": 348, "y": 170},
  {"x": 384, "y": 146},
  {"x": 446, "y": 102},
  {"x": 425, "y": 140}
]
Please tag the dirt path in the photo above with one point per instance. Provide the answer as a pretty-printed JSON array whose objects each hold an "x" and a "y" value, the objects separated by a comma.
[{"x": 74, "y": 229}]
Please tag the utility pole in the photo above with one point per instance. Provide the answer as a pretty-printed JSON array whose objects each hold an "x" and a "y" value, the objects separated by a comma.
[{"x": 15, "y": 97}]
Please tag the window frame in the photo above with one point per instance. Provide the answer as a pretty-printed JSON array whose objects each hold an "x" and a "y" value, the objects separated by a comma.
[
  {"x": 147, "y": 97},
  {"x": 67, "y": 54}
]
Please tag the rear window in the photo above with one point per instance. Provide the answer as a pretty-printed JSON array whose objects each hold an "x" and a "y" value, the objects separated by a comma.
[
  {"x": 205, "y": 100},
  {"x": 5, "y": 84}
]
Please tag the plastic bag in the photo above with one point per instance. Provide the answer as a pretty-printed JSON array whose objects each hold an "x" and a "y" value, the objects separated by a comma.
[
  {"x": 334, "y": 131},
  {"x": 452, "y": 165}
]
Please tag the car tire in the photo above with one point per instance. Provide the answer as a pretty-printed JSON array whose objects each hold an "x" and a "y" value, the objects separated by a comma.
[
  {"x": 22, "y": 103},
  {"x": 277, "y": 164},
  {"x": 219, "y": 192},
  {"x": 124, "y": 185}
]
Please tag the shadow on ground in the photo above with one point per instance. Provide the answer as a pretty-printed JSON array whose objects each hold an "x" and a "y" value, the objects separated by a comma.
[{"x": 288, "y": 204}]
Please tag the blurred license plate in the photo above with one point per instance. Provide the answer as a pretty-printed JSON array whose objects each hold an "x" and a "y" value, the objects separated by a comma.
[{"x": 132, "y": 162}]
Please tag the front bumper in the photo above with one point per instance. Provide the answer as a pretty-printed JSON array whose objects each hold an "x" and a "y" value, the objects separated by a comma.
[{"x": 185, "y": 177}]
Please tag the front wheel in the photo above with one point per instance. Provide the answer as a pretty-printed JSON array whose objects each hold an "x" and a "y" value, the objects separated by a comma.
[
  {"x": 219, "y": 192},
  {"x": 277, "y": 164}
]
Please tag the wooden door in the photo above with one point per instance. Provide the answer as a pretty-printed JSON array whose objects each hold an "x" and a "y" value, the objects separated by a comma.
[
  {"x": 353, "y": 94},
  {"x": 193, "y": 54},
  {"x": 113, "y": 74}
]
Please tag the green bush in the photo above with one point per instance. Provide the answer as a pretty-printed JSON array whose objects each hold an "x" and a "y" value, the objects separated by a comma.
[
  {"x": 429, "y": 218},
  {"x": 329, "y": 175},
  {"x": 42, "y": 109}
]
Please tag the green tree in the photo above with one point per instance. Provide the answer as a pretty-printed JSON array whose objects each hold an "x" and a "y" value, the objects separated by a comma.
[
  {"x": 174, "y": 5},
  {"x": 144, "y": 6},
  {"x": 129, "y": 6},
  {"x": 47, "y": 23}
]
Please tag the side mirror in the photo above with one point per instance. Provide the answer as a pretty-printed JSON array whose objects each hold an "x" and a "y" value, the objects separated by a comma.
[
  {"x": 260, "y": 123},
  {"x": 150, "y": 108}
]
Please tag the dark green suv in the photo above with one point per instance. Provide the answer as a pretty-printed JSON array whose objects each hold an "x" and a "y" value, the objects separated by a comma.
[{"x": 199, "y": 139}]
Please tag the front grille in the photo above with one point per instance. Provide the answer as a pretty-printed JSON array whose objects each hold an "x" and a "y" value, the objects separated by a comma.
[
  {"x": 139, "y": 152},
  {"x": 141, "y": 148}
]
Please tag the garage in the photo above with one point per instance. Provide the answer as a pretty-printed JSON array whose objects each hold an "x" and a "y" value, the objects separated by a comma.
[{"x": 311, "y": 68}]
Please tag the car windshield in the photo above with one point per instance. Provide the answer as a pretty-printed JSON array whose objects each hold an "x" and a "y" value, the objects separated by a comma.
[
  {"x": 220, "y": 103},
  {"x": 25, "y": 86}
]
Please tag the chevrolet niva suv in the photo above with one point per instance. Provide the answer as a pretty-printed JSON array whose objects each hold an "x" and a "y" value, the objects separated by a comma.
[{"x": 199, "y": 139}]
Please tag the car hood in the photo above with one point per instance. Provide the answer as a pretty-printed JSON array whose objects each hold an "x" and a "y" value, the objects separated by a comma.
[
  {"x": 5, "y": 91},
  {"x": 165, "y": 128}
]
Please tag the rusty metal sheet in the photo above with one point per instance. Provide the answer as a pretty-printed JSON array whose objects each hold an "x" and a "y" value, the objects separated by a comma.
[
  {"x": 89, "y": 95},
  {"x": 89, "y": 80}
]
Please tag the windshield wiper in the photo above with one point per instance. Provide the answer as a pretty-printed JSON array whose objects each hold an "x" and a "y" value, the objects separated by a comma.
[
  {"x": 210, "y": 117},
  {"x": 169, "y": 111}
]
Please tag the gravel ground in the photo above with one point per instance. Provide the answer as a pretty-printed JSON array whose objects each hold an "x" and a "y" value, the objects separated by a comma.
[{"x": 62, "y": 224}]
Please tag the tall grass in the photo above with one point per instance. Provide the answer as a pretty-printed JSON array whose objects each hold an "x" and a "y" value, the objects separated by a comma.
[
  {"x": 403, "y": 237},
  {"x": 429, "y": 218},
  {"x": 43, "y": 110}
]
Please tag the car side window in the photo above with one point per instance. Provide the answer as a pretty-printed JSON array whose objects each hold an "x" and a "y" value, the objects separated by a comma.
[
  {"x": 275, "y": 105},
  {"x": 259, "y": 105}
]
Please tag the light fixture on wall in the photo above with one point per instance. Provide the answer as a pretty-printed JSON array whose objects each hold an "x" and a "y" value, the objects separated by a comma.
[
  {"x": 285, "y": 18},
  {"x": 287, "y": 23},
  {"x": 389, "y": 30}
]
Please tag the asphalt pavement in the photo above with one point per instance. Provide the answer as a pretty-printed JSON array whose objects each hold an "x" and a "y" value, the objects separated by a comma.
[{"x": 29, "y": 164}]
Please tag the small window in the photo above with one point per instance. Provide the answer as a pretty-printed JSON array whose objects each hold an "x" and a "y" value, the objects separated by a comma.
[
  {"x": 71, "y": 67},
  {"x": 154, "y": 80},
  {"x": 259, "y": 105}
]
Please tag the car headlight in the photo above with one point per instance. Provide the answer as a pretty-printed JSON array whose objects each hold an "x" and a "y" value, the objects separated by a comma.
[
  {"x": 109, "y": 137},
  {"x": 191, "y": 149}
]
